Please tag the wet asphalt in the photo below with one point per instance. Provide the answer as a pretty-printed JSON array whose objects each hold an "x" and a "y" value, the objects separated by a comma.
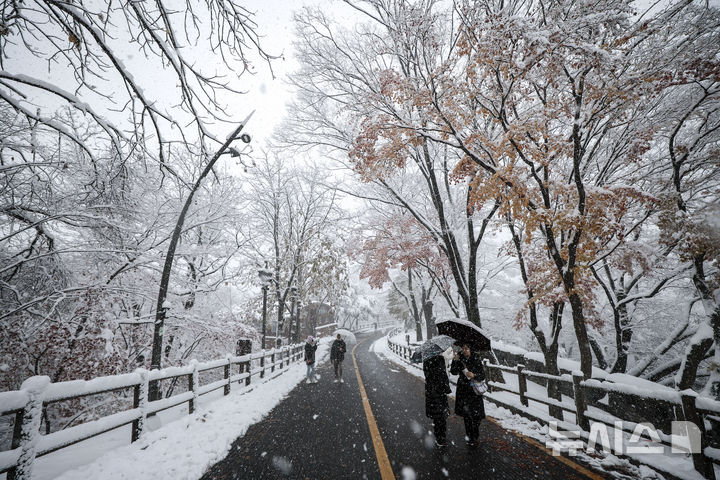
[{"x": 320, "y": 431}]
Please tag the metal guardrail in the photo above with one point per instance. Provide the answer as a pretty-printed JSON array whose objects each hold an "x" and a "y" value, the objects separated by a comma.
[
  {"x": 27, "y": 403},
  {"x": 687, "y": 405}
]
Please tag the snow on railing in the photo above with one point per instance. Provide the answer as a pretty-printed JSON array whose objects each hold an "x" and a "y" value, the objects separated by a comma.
[
  {"x": 689, "y": 407},
  {"x": 37, "y": 392}
]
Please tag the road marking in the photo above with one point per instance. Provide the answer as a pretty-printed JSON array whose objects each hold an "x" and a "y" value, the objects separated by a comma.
[
  {"x": 386, "y": 472},
  {"x": 559, "y": 458}
]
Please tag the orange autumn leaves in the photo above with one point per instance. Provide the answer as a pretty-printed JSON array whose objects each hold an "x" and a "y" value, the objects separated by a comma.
[
  {"x": 399, "y": 242},
  {"x": 516, "y": 101}
]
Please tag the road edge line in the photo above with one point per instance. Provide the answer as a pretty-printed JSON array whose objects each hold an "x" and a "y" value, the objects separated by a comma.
[
  {"x": 535, "y": 443},
  {"x": 386, "y": 472}
]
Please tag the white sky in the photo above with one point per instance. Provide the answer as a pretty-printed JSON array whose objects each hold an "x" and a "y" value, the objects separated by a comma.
[{"x": 266, "y": 95}]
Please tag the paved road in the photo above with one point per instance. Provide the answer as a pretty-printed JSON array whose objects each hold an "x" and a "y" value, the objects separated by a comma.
[{"x": 321, "y": 431}]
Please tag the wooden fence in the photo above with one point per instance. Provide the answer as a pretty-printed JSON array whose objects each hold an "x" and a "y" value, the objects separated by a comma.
[
  {"x": 36, "y": 393},
  {"x": 686, "y": 405}
]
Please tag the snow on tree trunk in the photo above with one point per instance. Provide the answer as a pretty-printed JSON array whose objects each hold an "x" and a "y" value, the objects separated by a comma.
[{"x": 695, "y": 352}]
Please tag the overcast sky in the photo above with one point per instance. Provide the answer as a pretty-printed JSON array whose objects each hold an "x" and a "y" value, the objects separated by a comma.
[{"x": 265, "y": 94}]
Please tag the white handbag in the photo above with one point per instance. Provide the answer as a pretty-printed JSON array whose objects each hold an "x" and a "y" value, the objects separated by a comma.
[{"x": 479, "y": 387}]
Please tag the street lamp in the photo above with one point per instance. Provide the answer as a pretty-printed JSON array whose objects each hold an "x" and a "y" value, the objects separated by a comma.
[
  {"x": 297, "y": 321},
  {"x": 265, "y": 280},
  {"x": 293, "y": 299},
  {"x": 161, "y": 307}
]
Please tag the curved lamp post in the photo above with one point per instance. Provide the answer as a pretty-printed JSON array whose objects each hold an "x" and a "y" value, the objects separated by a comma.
[{"x": 161, "y": 308}]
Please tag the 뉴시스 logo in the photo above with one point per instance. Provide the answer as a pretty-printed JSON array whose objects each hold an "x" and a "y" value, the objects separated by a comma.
[{"x": 643, "y": 438}]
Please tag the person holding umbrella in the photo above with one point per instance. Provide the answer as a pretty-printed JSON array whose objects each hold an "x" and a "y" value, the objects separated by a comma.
[
  {"x": 435, "y": 354},
  {"x": 468, "y": 404},
  {"x": 437, "y": 388}
]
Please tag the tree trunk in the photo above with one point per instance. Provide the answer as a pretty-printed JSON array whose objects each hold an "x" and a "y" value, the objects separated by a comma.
[
  {"x": 414, "y": 309},
  {"x": 696, "y": 351},
  {"x": 430, "y": 327},
  {"x": 553, "y": 387},
  {"x": 581, "y": 335},
  {"x": 623, "y": 334},
  {"x": 598, "y": 352}
]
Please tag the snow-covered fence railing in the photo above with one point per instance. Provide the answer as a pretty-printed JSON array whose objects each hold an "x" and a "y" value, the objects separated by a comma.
[
  {"x": 36, "y": 393},
  {"x": 685, "y": 406}
]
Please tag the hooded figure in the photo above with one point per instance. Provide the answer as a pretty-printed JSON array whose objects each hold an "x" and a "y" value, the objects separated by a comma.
[
  {"x": 437, "y": 388},
  {"x": 310, "y": 347}
]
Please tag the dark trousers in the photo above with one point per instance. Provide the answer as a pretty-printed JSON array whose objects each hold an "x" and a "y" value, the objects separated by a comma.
[
  {"x": 440, "y": 428},
  {"x": 337, "y": 365},
  {"x": 472, "y": 428}
]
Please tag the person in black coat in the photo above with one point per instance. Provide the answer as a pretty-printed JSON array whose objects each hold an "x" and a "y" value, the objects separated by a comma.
[
  {"x": 337, "y": 355},
  {"x": 469, "y": 405},
  {"x": 310, "y": 347},
  {"x": 437, "y": 388}
]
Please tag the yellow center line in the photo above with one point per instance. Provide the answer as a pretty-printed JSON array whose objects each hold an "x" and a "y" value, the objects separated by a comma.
[{"x": 386, "y": 472}]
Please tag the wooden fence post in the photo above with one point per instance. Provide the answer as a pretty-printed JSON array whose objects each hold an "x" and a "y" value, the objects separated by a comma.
[
  {"x": 193, "y": 380},
  {"x": 272, "y": 361},
  {"x": 262, "y": 365},
  {"x": 226, "y": 376},
  {"x": 244, "y": 347},
  {"x": 702, "y": 464},
  {"x": 15, "y": 442},
  {"x": 26, "y": 436},
  {"x": 580, "y": 403},
  {"x": 140, "y": 400},
  {"x": 522, "y": 384}
]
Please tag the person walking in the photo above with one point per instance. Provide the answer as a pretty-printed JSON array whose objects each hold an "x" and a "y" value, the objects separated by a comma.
[
  {"x": 468, "y": 404},
  {"x": 437, "y": 388},
  {"x": 337, "y": 355},
  {"x": 310, "y": 347}
]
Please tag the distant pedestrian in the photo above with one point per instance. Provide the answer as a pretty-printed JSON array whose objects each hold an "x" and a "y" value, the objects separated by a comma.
[
  {"x": 468, "y": 404},
  {"x": 337, "y": 355},
  {"x": 310, "y": 347},
  {"x": 437, "y": 388}
]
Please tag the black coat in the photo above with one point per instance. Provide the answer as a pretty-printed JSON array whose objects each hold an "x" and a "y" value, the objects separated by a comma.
[
  {"x": 310, "y": 353},
  {"x": 467, "y": 402},
  {"x": 337, "y": 351},
  {"x": 437, "y": 387}
]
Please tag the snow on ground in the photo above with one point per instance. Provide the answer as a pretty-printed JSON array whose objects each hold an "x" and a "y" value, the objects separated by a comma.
[
  {"x": 618, "y": 467},
  {"x": 185, "y": 446}
]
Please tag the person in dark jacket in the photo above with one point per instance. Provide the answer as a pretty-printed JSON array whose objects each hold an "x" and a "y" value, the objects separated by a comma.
[
  {"x": 337, "y": 355},
  {"x": 469, "y": 405},
  {"x": 437, "y": 388},
  {"x": 310, "y": 347}
]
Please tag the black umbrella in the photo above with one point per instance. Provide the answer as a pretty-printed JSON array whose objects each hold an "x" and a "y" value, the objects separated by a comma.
[
  {"x": 433, "y": 347},
  {"x": 464, "y": 331}
]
